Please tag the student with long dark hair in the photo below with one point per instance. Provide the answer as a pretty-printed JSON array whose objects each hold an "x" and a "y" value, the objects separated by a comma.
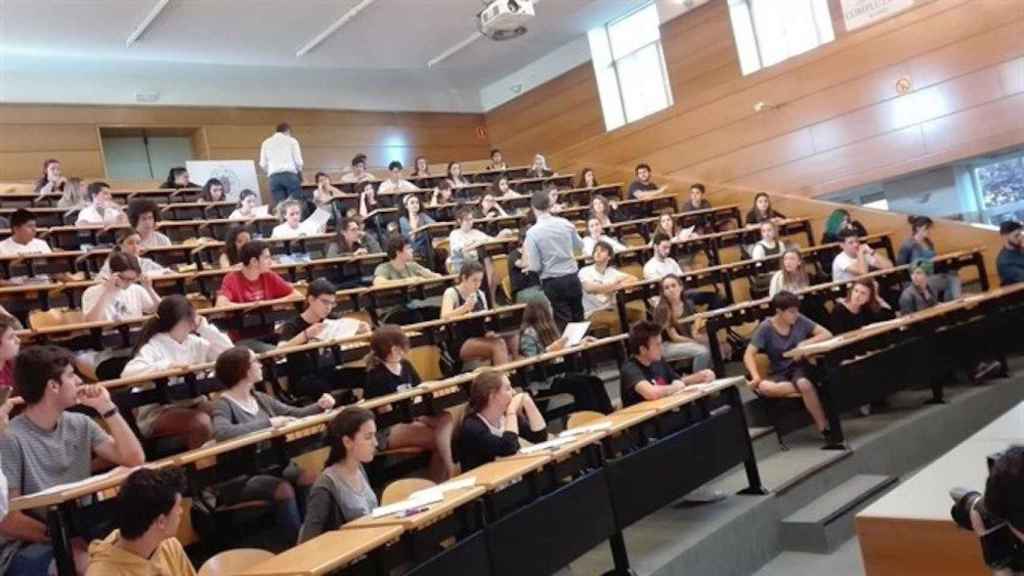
[
  {"x": 177, "y": 178},
  {"x": 762, "y": 211},
  {"x": 342, "y": 493},
  {"x": 213, "y": 191},
  {"x": 389, "y": 371},
  {"x": 587, "y": 179},
  {"x": 176, "y": 337},
  {"x": 52, "y": 179},
  {"x": 237, "y": 237},
  {"x": 241, "y": 410},
  {"x": 472, "y": 340},
  {"x": 862, "y": 306},
  {"x": 496, "y": 419},
  {"x": 410, "y": 223},
  {"x": 143, "y": 215},
  {"x": 455, "y": 177},
  {"x": 539, "y": 334}
]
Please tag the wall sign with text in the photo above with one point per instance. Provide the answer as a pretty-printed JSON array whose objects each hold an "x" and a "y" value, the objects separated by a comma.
[{"x": 860, "y": 13}]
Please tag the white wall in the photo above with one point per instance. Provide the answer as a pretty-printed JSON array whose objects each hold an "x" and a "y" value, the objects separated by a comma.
[{"x": 34, "y": 79}]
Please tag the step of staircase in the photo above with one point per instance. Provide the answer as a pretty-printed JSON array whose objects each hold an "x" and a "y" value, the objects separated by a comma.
[{"x": 826, "y": 522}]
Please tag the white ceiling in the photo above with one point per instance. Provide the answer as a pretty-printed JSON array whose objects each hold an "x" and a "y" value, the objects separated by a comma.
[{"x": 393, "y": 38}]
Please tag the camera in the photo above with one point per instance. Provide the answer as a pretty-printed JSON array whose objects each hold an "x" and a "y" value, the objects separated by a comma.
[{"x": 1001, "y": 548}]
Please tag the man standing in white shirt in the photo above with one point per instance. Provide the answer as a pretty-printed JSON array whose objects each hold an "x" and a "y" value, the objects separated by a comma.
[
  {"x": 281, "y": 159},
  {"x": 23, "y": 236}
]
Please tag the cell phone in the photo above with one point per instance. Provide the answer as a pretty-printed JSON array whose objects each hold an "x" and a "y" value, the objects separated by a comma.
[{"x": 5, "y": 393}]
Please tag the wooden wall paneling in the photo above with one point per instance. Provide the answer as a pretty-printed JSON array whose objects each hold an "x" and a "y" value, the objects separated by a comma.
[
  {"x": 29, "y": 138},
  {"x": 29, "y": 165},
  {"x": 938, "y": 548}
]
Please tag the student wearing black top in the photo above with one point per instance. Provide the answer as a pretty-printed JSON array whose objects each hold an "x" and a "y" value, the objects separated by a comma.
[
  {"x": 643, "y": 188},
  {"x": 177, "y": 178},
  {"x": 525, "y": 284},
  {"x": 762, "y": 211},
  {"x": 496, "y": 419},
  {"x": 388, "y": 372},
  {"x": 312, "y": 372},
  {"x": 472, "y": 341},
  {"x": 646, "y": 376},
  {"x": 861, "y": 307}
]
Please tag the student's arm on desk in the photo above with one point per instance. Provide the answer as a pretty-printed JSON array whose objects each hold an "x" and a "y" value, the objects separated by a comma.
[{"x": 819, "y": 334}]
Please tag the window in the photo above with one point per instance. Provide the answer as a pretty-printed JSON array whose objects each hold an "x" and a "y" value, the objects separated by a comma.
[
  {"x": 768, "y": 31},
  {"x": 630, "y": 67}
]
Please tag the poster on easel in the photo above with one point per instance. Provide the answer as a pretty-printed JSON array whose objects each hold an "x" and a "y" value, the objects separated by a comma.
[{"x": 236, "y": 175}]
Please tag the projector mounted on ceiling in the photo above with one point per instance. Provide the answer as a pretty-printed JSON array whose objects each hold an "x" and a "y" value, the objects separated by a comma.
[{"x": 505, "y": 19}]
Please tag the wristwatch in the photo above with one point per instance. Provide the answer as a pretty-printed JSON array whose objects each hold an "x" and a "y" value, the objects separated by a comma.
[{"x": 110, "y": 413}]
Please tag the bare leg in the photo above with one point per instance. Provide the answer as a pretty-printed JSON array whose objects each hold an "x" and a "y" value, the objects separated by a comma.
[
  {"x": 493, "y": 349},
  {"x": 807, "y": 393},
  {"x": 193, "y": 424}
]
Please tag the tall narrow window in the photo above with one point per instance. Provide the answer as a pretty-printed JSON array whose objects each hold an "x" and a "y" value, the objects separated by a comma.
[
  {"x": 630, "y": 67},
  {"x": 768, "y": 31}
]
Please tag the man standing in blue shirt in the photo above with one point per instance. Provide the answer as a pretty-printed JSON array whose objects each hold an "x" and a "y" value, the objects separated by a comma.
[
  {"x": 1010, "y": 262},
  {"x": 551, "y": 246}
]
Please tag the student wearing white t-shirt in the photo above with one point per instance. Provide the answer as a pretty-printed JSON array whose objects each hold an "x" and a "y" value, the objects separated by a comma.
[
  {"x": 595, "y": 234},
  {"x": 394, "y": 182},
  {"x": 248, "y": 206},
  {"x": 23, "y": 236},
  {"x": 121, "y": 295},
  {"x": 600, "y": 282},
  {"x": 293, "y": 226},
  {"x": 101, "y": 208},
  {"x": 856, "y": 259},
  {"x": 130, "y": 242},
  {"x": 662, "y": 263},
  {"x": 143, "y": 215}
]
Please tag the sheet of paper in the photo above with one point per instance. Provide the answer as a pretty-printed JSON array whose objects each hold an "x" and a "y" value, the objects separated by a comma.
[
  {"x": 335, "y": 329},
  {"x": 443, "y": 489},
  {"x": 408, "y": 504},
  {"x": 549, "y": 445},
  {"x": 575, "y": 332},
  {"x": 581, "y": 430}
]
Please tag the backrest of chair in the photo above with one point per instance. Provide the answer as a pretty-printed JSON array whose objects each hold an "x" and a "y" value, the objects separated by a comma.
[
  {"x": 427, "y": 362},
  {"x": 231, "y": 562},
  {"x": 38, "y": 319},
  {"x": 501, "y": 274},
  {"x": 582, "y": 418},
  {"x": 401, "y": 489}
]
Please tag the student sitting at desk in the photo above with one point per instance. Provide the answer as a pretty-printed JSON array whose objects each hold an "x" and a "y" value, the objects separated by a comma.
[
  {"x": 495, "y": 417},
  {"x": 775, "y": 336},
  {"x": 255, "y": 282},
  {"x": 46, "y": 445},
  {"x": 143, "y": 214},
  {"x": 601, "y": 281},
  {"x": 762, "y": 211},
  {"x": 455, "y": 178},
  {"x": 74, "y": 195},
  {"x": 411, "y": 220},
  {"x": 1010, "y": 261},
  {"x": 920, "y": 247},
  {"x": 401, "y": 264},
  {"x": 248, "y": 206},
  {"x": 358, "y": 172},
  {"x": 328, "y": 198},
  {"x": 662, "y": 264},
  {"x": 293, "y": 226},
  {"x": 125, "y": 294},
  {"x": 643, "y": 187},
  {"x": 462, "y": 246},
  {"x": 471, "y": 340},
  {"x": 497, "y": 161},
  {"x": 918, "y": 294},
  {"x": 241, "y": 410},
  {"x": 388, "y": 371},
  {"x": 237, "y": 237},
  {"x": 539, "y": 169},
  {"x": 502, "y": 189},
  {"x": 646, "y": 376},
  {"x": 369, "y": 206},
  {"x": 421, "y": 168},
  {"x": 490, "y": 208},
  {"x": 23, "y": 236},
  {"x": 525, "y": 284},
  {"x": 342, "y": 493},
  {"x": 678, "y": 338},
  {"x": 697, "y": 200},
  {"x": 352, "y": 240},
  {"x": 791, "y": 275},
  {"x": 312, "y": 372},
  {"x": 539, "y": 334},
  {"x": 666, "y": 226},
  {"x": 101, "y": 209},
  {"x": 862, "y": 306},
  {"x": 52, "y": 181},
  {"x": 394, "y": 182},
  {"x": 177, "y": 337},
  {"x": 596, "y": 235},
  {"x": 587, "y": 179},
  {"x": 603, "y": 210},
  {"x": 856, "y": 258},
  {"x": 213, "y": 191},
  {"x": 149, "y": 511},
  {"x": 177, "y": 178},
  {"x": 130, "y": 242}
]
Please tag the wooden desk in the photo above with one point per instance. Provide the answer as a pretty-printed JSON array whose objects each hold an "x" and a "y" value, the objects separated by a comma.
[
  {"x": 496, "y": 475},
  {"x": 327, "y": 552},
  {"x": 432, "y": 514}
]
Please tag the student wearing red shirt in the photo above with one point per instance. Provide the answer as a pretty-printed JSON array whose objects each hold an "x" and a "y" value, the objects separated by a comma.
[{"x": 255, "y": 282}]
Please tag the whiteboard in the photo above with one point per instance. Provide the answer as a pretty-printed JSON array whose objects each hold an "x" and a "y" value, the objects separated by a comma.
[{"x": 236, "y": 175}]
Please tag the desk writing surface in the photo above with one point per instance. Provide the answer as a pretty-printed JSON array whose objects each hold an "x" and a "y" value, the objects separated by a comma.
[
  {"x": 433, "y": 513},
  {"x": 562, "y": 452},
  {"x": 500, "y": 473},
  {"x": 325, "y": 553},
  {"x": 624, "y": 419},
  {"x": 687, "y": 395}
]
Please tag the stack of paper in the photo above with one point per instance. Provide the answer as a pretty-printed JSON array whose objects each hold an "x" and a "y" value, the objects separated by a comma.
[
  {"x": 581, "y": 430},
  {"x": 335, "y": 329},
  {"x": 549, "y": 445},
  {"x": 408, "y": 504}
]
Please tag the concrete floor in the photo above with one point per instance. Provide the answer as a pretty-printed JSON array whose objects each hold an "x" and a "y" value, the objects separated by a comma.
[{"x": 845, "y": 561}]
